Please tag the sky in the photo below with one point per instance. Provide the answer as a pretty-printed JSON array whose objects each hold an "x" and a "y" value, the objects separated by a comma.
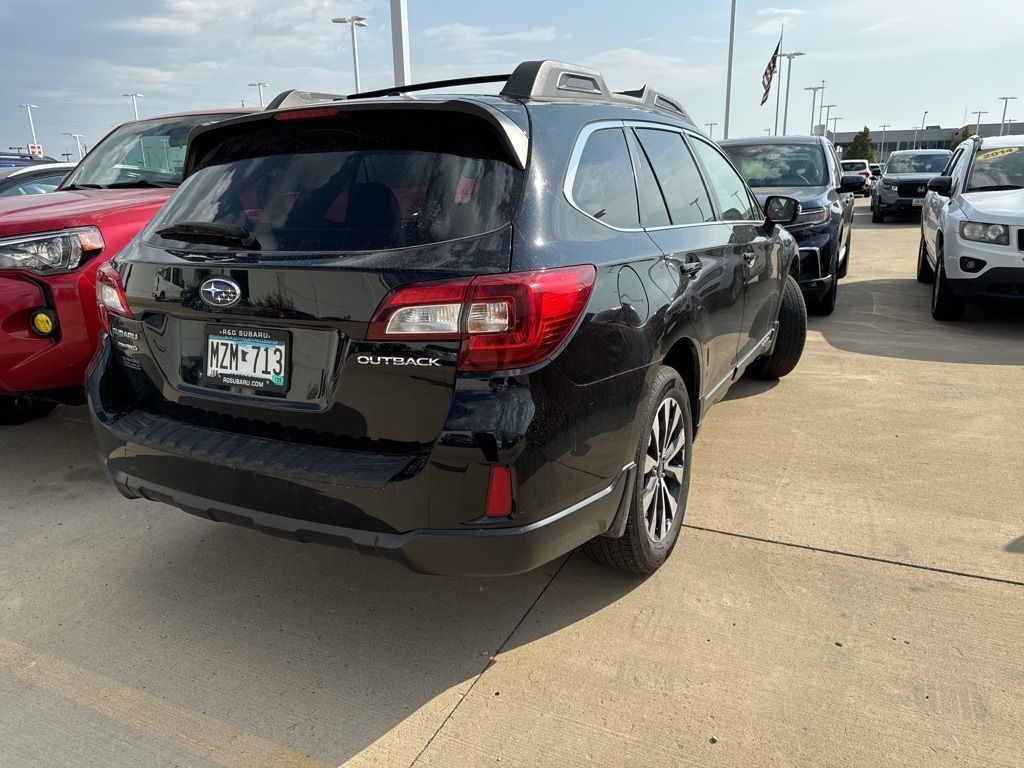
[{"x": 883, "y": 61}]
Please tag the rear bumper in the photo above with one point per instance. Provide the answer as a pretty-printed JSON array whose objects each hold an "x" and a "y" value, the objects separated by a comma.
[
  {"x": 470, "y": 552},
  {"x": 423, "y": 511}
]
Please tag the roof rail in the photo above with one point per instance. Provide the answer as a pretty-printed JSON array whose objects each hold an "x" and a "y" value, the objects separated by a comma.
[{"x": 297, "y": 98}]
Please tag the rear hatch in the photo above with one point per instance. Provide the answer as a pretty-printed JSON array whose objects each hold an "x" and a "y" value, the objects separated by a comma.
[{"x": 252, "y": 292}]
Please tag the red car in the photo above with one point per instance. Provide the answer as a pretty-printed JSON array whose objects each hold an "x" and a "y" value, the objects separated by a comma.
[{"x": 51, "y": 246}]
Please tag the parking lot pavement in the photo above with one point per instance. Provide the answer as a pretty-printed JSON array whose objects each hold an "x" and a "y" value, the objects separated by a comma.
[{"x": 845, "y": 593}]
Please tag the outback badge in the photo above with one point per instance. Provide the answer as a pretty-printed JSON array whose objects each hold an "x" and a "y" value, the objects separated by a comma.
[{"x": 220, "y": 292}]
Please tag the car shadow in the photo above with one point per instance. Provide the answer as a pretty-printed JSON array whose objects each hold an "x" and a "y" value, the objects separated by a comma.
[
  {"x": 317, "y": 649},
  {"x": 749, "y": 387},
  {"x": 892, "y": 318},
  {"x": 1017, "y": 545}
]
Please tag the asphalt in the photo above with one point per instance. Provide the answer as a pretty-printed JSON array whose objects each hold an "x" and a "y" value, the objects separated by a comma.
[{"x": 846, "y": 592}]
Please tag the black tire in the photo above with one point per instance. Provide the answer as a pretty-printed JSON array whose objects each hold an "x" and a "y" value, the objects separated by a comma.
[
  {"x": 789, "y": 346},
  {"x": 925, "y": 273},
  {"x": 826, "y": 305},
  {"x": 876, "y": 216},
  {"x": 945, "y": 304},
  {"x": 845, "y": 266},
  {"x": 18, "y": 410},
  {"x": 663, "y": 458}
]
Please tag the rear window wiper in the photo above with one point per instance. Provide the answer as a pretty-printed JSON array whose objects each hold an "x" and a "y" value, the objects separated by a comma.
[{"x": 211, "y": 234}]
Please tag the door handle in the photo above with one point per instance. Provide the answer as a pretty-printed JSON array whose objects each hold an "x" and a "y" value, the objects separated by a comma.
[{"x": 750, "y": 257}]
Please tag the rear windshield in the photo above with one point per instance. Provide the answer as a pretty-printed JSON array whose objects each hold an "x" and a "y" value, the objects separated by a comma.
[
  {"x": 357, "y": 182},
  {"x": 779, "y": 165}
]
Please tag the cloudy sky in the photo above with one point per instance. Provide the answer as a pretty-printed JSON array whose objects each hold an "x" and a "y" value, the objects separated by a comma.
[{"x": 883, "y": 61}]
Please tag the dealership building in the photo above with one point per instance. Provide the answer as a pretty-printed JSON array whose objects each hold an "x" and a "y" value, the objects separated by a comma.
[{"x": 931, "y": 137}]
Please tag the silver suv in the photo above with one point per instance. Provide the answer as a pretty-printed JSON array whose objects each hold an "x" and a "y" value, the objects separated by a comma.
[{"x": 901, "y": 189}]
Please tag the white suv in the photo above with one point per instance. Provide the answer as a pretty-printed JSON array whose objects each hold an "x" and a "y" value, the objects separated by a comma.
[
  {"x": 860, "y": 168},
  {"x": 972, "y": 227}
]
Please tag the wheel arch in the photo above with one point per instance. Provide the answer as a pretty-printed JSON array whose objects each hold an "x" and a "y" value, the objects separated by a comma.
[{"x": 683, "y": 357}]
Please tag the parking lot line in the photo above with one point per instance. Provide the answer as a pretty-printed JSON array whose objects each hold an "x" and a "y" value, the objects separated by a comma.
[{"x": 203, "y": 736}]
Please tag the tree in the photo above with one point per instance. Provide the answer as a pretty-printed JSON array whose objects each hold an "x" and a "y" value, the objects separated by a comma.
[
  {"x": 965, "y": 134},
  {"x": 860, "y": 148}
]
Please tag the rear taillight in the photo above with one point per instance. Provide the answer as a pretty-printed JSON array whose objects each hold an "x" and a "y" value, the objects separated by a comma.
[
  {"x": 110, "y": 295},
  {"x": 499, "y": 492},
  {"x": 866, "y": 174},
  {"x": 504, "y": 321}
]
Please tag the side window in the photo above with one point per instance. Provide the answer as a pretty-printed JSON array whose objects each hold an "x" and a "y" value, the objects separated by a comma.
[
  {"x": 653, "y": 210},
  {"x": 726, "y": 185},
  {"x": 603, "y": 186},
  {"x": 837, "y": 168},
  {"x": 687, "y": 198}
]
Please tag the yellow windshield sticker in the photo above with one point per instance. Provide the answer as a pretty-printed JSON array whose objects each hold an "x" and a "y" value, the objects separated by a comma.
[{"x": 997, "y": 153}]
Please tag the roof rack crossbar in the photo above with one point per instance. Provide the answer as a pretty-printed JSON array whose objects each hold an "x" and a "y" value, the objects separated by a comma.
[{"x": 400, "y": 89}]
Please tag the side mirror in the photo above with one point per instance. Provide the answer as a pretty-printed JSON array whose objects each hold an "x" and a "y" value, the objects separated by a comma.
[
  {"x": 780, "y": 211},
  {"x": 852, "y": 183},
  {"x": 942, "y": 185}
]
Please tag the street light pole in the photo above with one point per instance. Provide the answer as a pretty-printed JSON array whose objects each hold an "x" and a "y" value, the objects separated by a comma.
[
  {"x": 814, "y": 100},
  {"x": 881, "y": 149},
  {"x": 31, "y": 125},
  {"x": 135, "y": 105},
  {"x": 828, "y": 111},
  {"x": 1006, "y": 100},
  {"x": 355, "y": 21},
  {"x": 728, "y": 76},
  {"x": 821, "y": 108},
  {"x": 77, "y": 137},
  {"x": 977, "y": 126},
  {"x": 925, "y": 115},
  {"x": 710, "y": 131},
  {"x": 260, "y": 85},
  {"x": 789, "y": 69},
  {"x": 835, "y": 121}
]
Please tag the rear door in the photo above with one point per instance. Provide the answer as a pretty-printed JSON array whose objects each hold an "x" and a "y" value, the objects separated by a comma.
[{"x": 759, "y": 253}]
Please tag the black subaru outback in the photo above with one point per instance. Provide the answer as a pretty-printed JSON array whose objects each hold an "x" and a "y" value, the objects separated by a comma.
[{"x": 468, "y": 333}]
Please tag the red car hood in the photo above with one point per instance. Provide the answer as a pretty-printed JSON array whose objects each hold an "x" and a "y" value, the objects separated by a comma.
[{"x": 79, "y": 208}]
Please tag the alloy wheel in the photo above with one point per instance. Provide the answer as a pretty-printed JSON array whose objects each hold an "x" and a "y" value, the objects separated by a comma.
[{"x": 664, "y": 470}]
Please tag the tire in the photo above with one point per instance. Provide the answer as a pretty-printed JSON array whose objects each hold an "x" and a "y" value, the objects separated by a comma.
[
  {"x": 789, "y": 345},
  {"x": 876, "y": 216},
  {"x": 925, "y": 273},
  {"x": 826, "y": 305},
  {"x": 945, "y": 304},
  {"x": 663, "y": 459},
  {"x": 18, "y": 410},
  {"x": 845, "y": 266}
]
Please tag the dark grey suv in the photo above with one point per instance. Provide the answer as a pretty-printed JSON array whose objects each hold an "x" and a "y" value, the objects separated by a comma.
[{"x": 468, "y": 333}]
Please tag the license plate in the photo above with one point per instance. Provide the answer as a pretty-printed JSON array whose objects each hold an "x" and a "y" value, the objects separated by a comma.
[
  {"x": 246, "y": 357},
  {"x": 918, "y": 201}
]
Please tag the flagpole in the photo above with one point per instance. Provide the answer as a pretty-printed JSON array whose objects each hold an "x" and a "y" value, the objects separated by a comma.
[
  {"x": 728, "y": 76},
  {"x": 778, "y": 91}
]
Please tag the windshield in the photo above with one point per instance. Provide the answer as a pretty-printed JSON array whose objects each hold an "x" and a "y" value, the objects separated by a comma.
[
  {"x": 357, "y": 183},
  {"x": 779, "y": 165},
  {"x": 917, "y": 163},
  {"x": 147, "y": 151},
  {"x": 855, "y": 165},
  {"x": 997, "y": 169}
]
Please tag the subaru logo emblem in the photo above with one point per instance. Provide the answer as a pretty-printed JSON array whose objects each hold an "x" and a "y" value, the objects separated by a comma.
[{"x": 220, "y": 292}]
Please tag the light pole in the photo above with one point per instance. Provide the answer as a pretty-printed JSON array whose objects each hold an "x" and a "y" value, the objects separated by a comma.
[
  {"x": 789, "y": 68},
  {"x": 923, "y": 117},
  {"x": 814, "y": 100},
  {"x": 710, "y": 131},
  {"x": 260, "y": 85},
  {"x": 728, "y": 76},
  {"x": 835, "y": 121},
  {"x": 977, "y": 126},
  {"x": 31, "y": 125},
  {"x": 135, "y": 104},
  {"x": 355, "y": 21},
  {"x": 77, "y": 137},
  {"x": 828, "y": 111},
  {"x": 1006, "y": 100},
  {"x": 768, "y": 131},
  {"x": 881, "y": 148},
  {"x": 822, "y": 107}
]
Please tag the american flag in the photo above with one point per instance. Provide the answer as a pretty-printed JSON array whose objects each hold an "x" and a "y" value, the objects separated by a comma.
[{"x": 769, "y": 73}]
